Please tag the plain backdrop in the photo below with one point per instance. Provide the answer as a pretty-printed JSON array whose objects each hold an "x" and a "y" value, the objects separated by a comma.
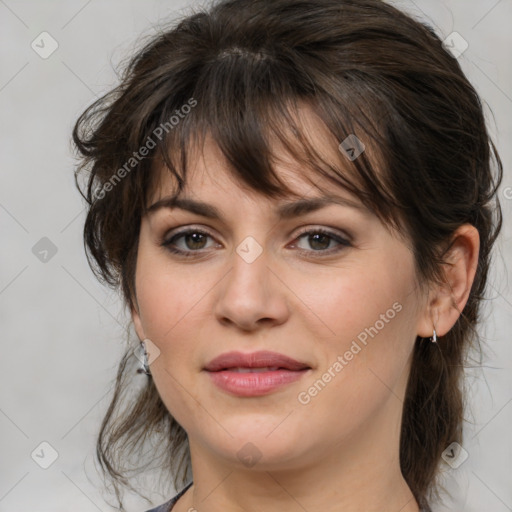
[{"x": 62, "y": 332}]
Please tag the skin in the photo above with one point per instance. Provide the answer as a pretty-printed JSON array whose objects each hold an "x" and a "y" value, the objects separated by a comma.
[{"x": 340, "y": 451}]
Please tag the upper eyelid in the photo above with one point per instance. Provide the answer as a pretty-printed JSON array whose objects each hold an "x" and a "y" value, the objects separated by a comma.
[
  {"x": 192, "y": 227},
  {"x": 302, "y": 231}
]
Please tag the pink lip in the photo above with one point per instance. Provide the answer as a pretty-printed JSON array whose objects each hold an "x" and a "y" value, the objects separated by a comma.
[
  {"x": 254, "y": 384},
  {"x": 221, "y": 371},
  {"x": 259, "y": 359}
]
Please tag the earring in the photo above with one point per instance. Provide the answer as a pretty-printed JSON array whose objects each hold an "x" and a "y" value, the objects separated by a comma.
[
  {"x": 144, "y": 367},
  {"x": 433, "y": 339}
]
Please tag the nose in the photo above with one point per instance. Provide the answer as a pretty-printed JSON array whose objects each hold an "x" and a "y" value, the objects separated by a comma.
[{"x": 251, "y": 295}]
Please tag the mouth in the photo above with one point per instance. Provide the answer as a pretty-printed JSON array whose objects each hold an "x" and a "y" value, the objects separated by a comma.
[
  {"x": 253, "y": 370},
  {"x": 262, "y": 361},
  {"x": 254, "y": 374},
  {"x": 254, "y": 382}
]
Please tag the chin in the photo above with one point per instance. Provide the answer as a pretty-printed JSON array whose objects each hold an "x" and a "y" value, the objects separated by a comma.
[{"x": 255, "y": 448}]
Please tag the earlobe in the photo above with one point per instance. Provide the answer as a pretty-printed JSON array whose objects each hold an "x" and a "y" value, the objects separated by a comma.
[
  {"x": 449, "y": 300},
  {"x": 137, "y": 323}
]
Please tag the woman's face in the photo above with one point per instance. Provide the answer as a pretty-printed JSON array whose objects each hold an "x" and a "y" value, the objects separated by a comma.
[{"x": 350, "y": 311}]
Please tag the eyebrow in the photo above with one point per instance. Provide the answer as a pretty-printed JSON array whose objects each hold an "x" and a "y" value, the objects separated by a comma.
[{"x": 287, "y": 210}]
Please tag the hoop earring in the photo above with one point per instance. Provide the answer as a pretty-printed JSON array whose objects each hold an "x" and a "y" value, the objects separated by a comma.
[
  {"x": 433, "y": 339},
  {"x": 144, "y": 366}
]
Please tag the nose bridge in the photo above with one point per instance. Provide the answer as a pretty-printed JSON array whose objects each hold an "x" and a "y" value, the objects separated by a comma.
[{"x": 248, "y": 276}]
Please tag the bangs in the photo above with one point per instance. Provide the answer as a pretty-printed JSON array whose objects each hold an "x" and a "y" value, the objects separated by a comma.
[{"x": 249, "y": 105}]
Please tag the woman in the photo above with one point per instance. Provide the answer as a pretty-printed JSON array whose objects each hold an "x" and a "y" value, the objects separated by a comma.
[{"x": 296, "y": 200}]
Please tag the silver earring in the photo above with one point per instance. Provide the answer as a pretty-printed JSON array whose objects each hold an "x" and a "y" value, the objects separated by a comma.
[
  {"x": 433, "y": 339},
  {"x": 144, "y": 367}
]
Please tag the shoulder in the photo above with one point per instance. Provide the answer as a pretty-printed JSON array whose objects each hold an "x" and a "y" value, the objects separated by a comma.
[{"x": 167, "y": 506}]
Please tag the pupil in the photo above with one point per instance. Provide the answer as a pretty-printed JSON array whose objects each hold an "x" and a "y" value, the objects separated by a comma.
[
  {"x": 314, "y": 238},
  {"x": 196, "y": 239}
]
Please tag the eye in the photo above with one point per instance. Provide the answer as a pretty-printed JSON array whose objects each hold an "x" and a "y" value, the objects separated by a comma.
[
  {"x": 194, "y": 242},
  {"x": 320, "y": 240}
]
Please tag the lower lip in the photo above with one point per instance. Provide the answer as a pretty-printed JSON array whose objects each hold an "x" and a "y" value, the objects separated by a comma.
[{"x": 255, "y": 383}]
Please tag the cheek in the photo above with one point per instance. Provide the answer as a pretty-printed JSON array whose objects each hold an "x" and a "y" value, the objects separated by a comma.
[
  {"x": 368, "y": 317},
  {"x": 169, "y": 297},
  {"x": 353, "y": 302},
  {"x": 170, "y": 311}
]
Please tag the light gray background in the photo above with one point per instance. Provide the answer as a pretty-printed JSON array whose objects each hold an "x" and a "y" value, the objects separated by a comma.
[{"x": 62, "y": 332}]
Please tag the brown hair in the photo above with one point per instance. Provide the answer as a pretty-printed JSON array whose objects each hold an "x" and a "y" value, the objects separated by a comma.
[{"x": 243, "y": 67}]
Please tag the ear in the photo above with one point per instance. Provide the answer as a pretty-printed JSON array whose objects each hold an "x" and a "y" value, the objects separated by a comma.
[
  {"x": 137, "y": 322},
  {"x": 446, "y": 302}
]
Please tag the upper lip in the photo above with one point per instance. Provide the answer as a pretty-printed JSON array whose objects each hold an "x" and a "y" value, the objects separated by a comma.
[{"x": 259, "y": 359}]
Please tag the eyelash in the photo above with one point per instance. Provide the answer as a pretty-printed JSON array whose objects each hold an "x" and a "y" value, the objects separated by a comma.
[{"x": 168, "y": 244}]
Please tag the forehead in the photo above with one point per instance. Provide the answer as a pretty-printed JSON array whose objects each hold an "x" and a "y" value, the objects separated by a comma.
[
  {"x": 208, "y": 170},
  {"x": 210, "y": 188}
]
